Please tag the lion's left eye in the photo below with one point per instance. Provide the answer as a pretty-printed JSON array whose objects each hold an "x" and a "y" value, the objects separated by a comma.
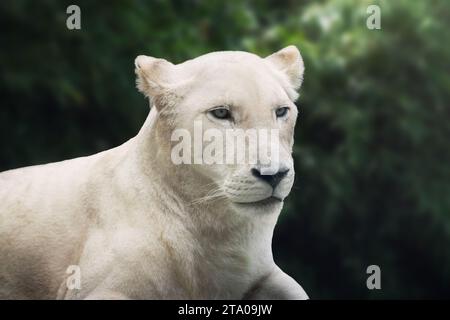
[
  {"x": 281, "y": 112},
  {"x": 221, "y": 113}
]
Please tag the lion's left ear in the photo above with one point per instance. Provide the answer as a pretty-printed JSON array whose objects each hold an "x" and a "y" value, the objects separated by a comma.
[
  {"x": 290, "y": 62},
  {"x": 154, "y": 76},
  {"x": 159, "y": 79}
]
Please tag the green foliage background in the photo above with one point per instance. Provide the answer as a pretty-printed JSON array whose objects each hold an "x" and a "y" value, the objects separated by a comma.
[{"x": 372, "y": 153}]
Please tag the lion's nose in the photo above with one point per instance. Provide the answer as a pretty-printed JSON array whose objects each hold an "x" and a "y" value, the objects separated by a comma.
[{"x": 273, "y": 179}]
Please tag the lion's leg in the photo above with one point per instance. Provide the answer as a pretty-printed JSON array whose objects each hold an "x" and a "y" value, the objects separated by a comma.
[
  {"x": 277, "y": 286},
  {"x": 107, "y": 295}
]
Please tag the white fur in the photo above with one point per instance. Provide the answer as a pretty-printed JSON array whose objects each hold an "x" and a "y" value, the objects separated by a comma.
[{"x": 139, "y": 226}]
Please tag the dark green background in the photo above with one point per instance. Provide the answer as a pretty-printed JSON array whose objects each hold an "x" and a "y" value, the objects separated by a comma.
[{"x": 372, "y": 152}]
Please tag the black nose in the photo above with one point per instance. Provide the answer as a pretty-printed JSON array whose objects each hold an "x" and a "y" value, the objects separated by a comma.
[{"x": 274, "y": 179}]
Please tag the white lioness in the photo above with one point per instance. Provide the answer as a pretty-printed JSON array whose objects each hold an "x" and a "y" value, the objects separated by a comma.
[{"x": 141, "y": 227}]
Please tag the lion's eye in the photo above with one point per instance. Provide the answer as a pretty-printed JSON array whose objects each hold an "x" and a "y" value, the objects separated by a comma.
[
  {"x": 281, "y": 112},
  {"x": 221, "y": 113}
]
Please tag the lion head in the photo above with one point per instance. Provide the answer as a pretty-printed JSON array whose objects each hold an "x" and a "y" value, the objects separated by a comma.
[{"x": 202, "y": 103}]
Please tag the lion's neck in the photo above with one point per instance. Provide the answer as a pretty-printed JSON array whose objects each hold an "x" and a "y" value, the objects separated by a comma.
[
  {"x": 178, "y": 188},
  {"x": 213, "y": 230}
]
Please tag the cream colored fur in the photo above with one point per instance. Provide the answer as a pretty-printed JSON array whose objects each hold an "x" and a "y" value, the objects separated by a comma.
[{"x": 141, "y": 227}]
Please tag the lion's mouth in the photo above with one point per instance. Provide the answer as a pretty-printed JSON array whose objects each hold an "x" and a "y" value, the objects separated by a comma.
[{"x": 272, "y": 200}]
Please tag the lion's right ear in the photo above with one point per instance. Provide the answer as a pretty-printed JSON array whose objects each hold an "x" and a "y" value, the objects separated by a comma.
[
  {"x": 154, "y": 76},
  {"x": 290, "y": 62}
]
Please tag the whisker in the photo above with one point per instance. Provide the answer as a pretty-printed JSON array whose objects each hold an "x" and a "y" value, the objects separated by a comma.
[{"x": 211, "y": 195}]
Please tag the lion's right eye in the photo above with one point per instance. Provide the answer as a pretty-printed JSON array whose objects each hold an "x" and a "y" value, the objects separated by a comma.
[{"x": 221, "y": 113}]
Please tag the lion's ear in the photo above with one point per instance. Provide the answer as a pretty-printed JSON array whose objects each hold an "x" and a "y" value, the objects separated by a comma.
[
  {"x": 154, "y": 76},
  {"x": 290, "y": 62}
]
